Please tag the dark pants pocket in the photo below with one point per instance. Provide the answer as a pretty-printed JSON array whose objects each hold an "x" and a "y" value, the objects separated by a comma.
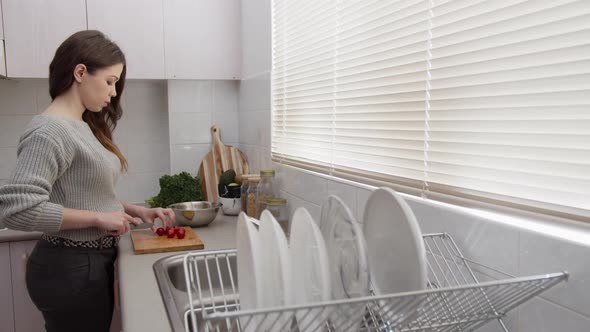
[{"x": 72, "y": 288}]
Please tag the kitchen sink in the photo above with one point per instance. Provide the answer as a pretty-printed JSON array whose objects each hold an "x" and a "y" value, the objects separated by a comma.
[{"x": 173, "y": 288}]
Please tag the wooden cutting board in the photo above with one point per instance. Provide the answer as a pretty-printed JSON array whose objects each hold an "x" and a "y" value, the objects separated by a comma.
[
  {"x": 146, "y": 242},
  {"x": 220, "y": 159}
]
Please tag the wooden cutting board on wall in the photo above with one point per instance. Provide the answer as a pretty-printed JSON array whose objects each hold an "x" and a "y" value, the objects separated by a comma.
[
  {"x": 146, "y": 242},
  {"x": 220, "y": 159}
]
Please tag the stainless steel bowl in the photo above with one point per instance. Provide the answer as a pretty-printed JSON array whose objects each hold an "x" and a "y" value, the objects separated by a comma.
[{"x": 195, "y": 214}]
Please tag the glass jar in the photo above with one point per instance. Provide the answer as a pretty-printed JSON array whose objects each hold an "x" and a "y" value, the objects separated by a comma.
[
  {"x": 251, "y": 196},
  {"x": 244, "y": 191},
  {"x": 265, "y": 190},
  {"x": 278, "y": 208}
]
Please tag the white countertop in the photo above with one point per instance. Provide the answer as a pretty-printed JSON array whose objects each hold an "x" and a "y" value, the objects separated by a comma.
[
  {"x": 9, "y": 235},
  {"x": 142, "y": 308}
]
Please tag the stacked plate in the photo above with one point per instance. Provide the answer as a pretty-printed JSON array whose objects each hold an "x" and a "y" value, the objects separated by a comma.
[
  {"x": 276, "y": 271},
  {"x": 334, "y": 259},
  {"x": 273, "y": 274},
  {"x": 310, "y": 267},
  {"x": 395, "y": 249},
  {"x": 250, "y": 274},
  {"x": 347, "y": 254}
]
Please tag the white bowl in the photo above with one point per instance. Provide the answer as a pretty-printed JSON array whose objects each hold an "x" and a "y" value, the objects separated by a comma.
[{"x": 230, "y": 206}]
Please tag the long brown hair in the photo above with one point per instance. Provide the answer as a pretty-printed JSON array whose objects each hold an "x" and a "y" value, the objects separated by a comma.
[{"x": 94, "y": 50}]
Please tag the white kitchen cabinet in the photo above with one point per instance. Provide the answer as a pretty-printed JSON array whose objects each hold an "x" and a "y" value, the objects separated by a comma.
[
  {"x": 2, "y": 59},
  {"x": 202, "y": 39},
  {"x": 2, "y": 55},
  {"x": 6, "y": 308},
  {"x": 137, "y": 26},
  {"x": 27, "y": 318},
  {"x": 33, "y": 30},
  {"x": 1, "y": 25}
]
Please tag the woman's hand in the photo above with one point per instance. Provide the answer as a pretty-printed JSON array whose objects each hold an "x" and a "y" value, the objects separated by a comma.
[
  {"x": 116, "y": 223},
  {"x": 150, "y": 215}
]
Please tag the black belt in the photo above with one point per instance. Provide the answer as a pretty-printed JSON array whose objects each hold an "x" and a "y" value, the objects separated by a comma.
[{"x": 104, "y": 242}]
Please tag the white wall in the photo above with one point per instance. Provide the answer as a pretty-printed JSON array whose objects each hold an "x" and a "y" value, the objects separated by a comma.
[
  {"x": 141, "y": 134},
  {"x": 19, "y": 102},
  {"x": 516, "y": 245},
  {"x": 254, "y": 97},
  {"x": 194, "y": 106},
  {"x": 164, "y": 128}
]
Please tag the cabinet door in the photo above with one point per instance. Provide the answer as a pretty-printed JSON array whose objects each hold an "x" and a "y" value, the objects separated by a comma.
[
  {"x": 6, "y": 308},
  {"x": 2, "y": 59},
  {"x": 137, "y": 26},
  {"x": 202, "y": 39},
  {"x": 34, "y": 29},
  {"x": 2, "y": 54},
  {"x": 1, "y": 25},
  {"x": 26, "y": 316}
]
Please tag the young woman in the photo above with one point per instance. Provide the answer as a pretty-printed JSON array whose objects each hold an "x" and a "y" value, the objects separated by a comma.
[{"x": 64, "y": 186}]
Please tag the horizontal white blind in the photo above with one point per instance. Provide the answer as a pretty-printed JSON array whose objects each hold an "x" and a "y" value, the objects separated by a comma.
[
  {"x": 468, "y": 97},
  {"x": 378, "y": 120}
]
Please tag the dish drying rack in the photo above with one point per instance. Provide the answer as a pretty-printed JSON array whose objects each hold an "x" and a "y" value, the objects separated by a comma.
[{"x": 455, "y": 299}]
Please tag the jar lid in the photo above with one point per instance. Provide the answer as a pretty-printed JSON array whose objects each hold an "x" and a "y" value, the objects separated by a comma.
[
  {"x": 276, "y": 201},
  {"x": 254, "y": 179},
  {"x": 269, "y": 172}
]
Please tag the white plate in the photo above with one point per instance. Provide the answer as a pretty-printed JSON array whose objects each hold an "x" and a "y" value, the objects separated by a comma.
[
  {"x": 397, "y": 258},
  {"x": 309, "y": 268},
  {"x": 276, "y": 271},
  {"x": 347, "y": 253},
  {"x": 250, "y": 282}
]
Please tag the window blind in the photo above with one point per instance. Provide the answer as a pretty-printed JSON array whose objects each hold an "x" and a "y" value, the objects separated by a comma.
[{"x": 481, "y": 99}]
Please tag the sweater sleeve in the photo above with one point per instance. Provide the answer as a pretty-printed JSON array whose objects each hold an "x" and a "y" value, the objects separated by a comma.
[{"x": 24, "y": 201}]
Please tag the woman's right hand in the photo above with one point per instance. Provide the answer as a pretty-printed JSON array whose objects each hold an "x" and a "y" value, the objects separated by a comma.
[{"x": 116, "y": 223}]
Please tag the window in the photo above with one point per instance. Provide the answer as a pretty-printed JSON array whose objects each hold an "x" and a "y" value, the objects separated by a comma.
[{"x": 480, "y": 99}]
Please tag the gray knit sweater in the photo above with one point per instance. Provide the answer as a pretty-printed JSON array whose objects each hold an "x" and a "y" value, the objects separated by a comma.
[{"x": 60, "y": 165}]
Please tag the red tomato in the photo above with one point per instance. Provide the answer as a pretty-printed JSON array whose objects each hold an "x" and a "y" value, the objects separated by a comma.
[
  {"x": 160, "y": 231},
  {"x": 170, "y": 233},
  {"x": 180, "y": 233},
  {"x": 175, "y": 228}
]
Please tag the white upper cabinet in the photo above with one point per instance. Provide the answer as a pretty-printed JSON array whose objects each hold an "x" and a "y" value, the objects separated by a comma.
[
  {"x": 137, "y": 27},
  {"x": 33, "y": 30},
  {"x": 202, "y": 39}
]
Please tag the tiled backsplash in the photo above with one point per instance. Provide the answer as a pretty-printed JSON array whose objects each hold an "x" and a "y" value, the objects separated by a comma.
[
  {"x": 164, "y": 128},
  {"x": 19, "y": 102},
  {"x": 194, "y": 106},
  {"x": 254, "y": 120},
  {"x": 141, "y": 134},
  {"x": 509, "y": 246}
]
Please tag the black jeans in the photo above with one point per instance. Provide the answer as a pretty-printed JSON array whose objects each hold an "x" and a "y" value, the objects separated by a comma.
[{"x": 72, "y": 287}]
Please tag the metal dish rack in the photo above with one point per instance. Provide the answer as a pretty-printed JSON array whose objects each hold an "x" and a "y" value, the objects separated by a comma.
[{"x": 455, "y": 299}]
